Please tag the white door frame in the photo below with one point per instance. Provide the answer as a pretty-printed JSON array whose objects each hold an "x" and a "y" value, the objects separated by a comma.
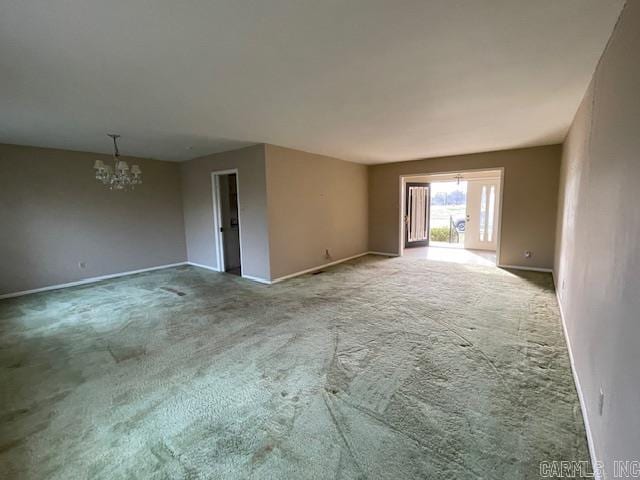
[
  {"x": 217, "y": 217},
  {"x": 403, "y": 179}
]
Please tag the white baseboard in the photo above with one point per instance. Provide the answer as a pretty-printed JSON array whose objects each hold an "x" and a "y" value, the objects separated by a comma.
[
  {"x": 581, "y": 399},
  {"x": 533, "y": 269},
  {"x": 88, "y": 280},
  {"x": 257, "y": 279},
  {"x": 207, "y": 267},
  {"x": 313, "y": 269},
  {"x": 301, "y": 272},
  {"x": 215, "y": 269},
  {"x": 159, "y": 267}
]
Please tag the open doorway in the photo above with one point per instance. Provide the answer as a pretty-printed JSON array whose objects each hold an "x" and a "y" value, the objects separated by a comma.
[
  {"x": 448, "y": 213},
  {"x": 452, "y": 216},
  {"x": 227, "y": 221}
]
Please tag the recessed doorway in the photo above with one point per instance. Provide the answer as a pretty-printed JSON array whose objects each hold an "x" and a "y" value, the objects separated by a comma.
[
  {"x": 227, "y": 221},
  {"x": 446, "y": 212}
]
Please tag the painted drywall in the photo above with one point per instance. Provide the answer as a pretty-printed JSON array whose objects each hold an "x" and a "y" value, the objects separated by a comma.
[
  {"x": 54, "y": 215},
  {"x": 529, "y": 200},
  {"x": 198, "y": 208},
  {"x": 316, "y": 203},
  {"x": 597, "y": 264}
]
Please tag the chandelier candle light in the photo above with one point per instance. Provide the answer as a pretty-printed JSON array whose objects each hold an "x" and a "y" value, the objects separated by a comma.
[{"x": 118, "y": 177}]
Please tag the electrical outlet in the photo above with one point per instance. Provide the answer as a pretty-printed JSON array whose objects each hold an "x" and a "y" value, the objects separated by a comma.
[
  {"x": 527, "y": 254},
  {"x": 601, "y": 403},
  {"x": 82, "y": 265}
]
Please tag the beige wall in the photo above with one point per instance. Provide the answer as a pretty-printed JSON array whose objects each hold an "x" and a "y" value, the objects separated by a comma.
[
  {"x": 529, "y": 200},
  {"x": 198, "y": 208},
  {"x": 293, "y": 206},
  {"x": 315, "y": 203},
  {"x": 598, "y": 245},
  {"x": 54, "y": 215}
]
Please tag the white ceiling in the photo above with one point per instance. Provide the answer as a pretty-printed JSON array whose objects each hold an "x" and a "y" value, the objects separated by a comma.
[{"x": 363, "y": 80}]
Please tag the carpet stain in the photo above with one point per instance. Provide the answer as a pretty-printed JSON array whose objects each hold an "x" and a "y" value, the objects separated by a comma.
[{"x": 173, "y": 290}]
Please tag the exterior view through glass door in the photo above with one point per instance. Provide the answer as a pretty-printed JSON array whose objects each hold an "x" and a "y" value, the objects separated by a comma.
[
  {"x": 481, "y": 229},
  {"x": 416, "y": 218},
  {"x": 447, "y": 213}
]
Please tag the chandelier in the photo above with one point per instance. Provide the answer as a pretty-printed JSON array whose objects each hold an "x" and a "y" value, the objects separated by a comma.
[{"x": 119, "y": 176}]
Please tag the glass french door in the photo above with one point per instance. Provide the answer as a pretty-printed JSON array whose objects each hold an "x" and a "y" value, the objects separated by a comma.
[
  {"x": 416, "y": 219},
  {"x": 481, "y": 228}
]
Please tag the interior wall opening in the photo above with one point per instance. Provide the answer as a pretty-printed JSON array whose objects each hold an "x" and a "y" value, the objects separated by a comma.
[{"x": 452, "y": 216}]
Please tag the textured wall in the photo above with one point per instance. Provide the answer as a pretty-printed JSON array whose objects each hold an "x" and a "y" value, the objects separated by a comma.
[
  {"x": 529, "y": 200},
  {"x": 54, "y": 215},
  {"x": 316, "y": 203},
  {"x": 198, "y": 208},
  {"x": 598, "y": 245}
]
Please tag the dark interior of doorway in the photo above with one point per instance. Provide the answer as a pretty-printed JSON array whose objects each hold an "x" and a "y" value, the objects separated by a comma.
[{"x": 230, "y": 223}]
